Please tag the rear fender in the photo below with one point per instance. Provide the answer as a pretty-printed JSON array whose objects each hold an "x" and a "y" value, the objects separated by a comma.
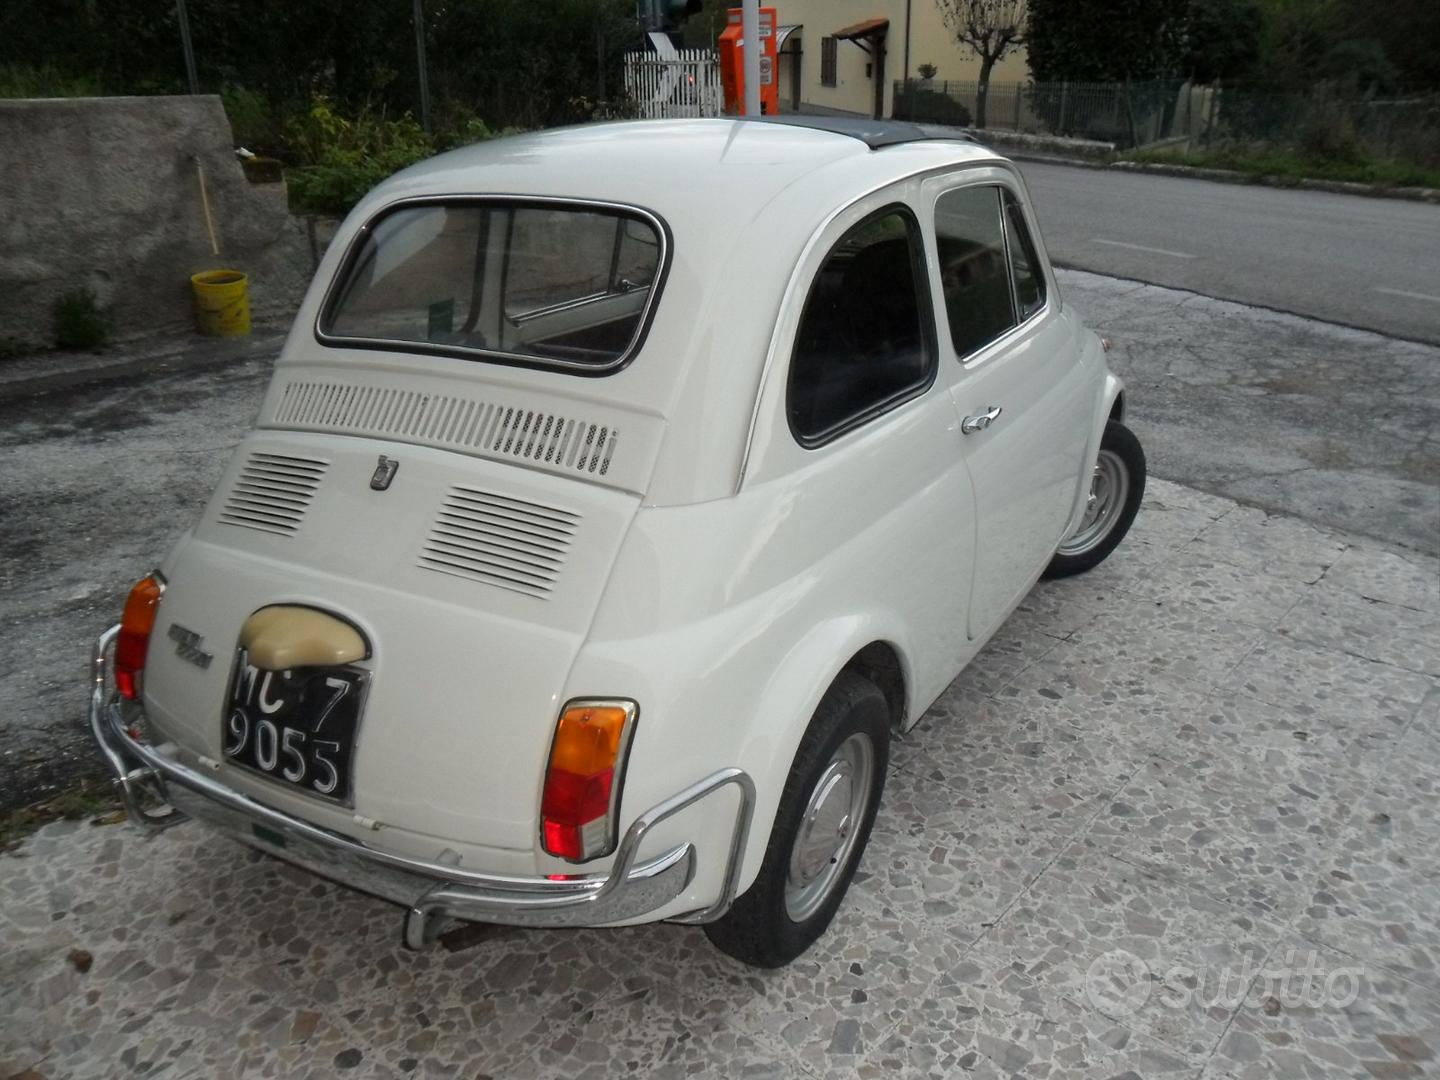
[{"x": 686, "y": 728}]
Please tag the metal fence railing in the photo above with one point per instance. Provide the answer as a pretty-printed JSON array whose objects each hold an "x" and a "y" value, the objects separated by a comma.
[{"x": 685, "y": 85}]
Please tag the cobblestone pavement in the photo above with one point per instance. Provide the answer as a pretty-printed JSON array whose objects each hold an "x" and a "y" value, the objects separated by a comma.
[{"x": 1178, "y": 820}]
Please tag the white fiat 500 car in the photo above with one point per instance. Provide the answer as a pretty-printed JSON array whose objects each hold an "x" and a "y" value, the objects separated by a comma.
[{"x": 620, "y": 493}]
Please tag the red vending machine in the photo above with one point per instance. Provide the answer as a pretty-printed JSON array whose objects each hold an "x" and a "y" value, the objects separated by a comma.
[{"x": 732, "y": 63}]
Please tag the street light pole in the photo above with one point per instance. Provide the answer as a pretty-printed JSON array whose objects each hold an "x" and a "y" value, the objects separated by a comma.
[
  {"x": 750, "y": 54},
  {"x": 184, "y": 19}
]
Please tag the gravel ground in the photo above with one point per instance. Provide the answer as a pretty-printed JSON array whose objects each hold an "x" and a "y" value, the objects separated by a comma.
[{"x": 1178, "y": 820}]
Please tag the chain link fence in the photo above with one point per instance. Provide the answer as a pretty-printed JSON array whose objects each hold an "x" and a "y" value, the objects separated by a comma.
[
  {"x": 1127, "y": 114},
  {"x": 1324, "y": 123}
]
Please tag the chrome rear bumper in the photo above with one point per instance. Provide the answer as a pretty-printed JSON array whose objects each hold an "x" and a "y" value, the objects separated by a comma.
[{"x": 429, "y": 891}]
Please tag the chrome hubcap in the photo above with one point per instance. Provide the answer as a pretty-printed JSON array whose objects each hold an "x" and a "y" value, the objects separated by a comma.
[
  {"x": 830, "y": 827},
  {"x": 1109, "y": 489}
]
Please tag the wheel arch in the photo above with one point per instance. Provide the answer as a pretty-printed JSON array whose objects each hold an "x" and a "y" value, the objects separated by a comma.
[
  {"x": 872, "y": 647},
  {"x": 880, "y": 663}
]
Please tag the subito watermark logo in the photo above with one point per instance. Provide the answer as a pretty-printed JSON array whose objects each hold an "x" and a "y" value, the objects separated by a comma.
[{"x": 1118, "y": 983}]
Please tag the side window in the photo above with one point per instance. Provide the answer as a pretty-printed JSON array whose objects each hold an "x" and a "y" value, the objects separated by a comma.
[
  {"x": 974, "y": 274},
  {"x": 1029, "y": 278},
  {"x": 864, "y": 342}
]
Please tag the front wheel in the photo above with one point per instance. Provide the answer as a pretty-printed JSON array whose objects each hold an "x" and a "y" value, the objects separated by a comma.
[
  {"x": 1116, "y": 487},
  {"x": 821, "y": 827}
]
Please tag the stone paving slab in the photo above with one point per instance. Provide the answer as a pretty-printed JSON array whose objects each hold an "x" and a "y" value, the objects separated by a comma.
[{"x": 1181, "y": 819}]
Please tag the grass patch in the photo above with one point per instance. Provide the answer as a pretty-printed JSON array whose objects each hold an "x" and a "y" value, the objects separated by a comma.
[
  {"x": 44, "y": 81},
  {"x": 11, "y": 347},
  {"x": 78, "y": 321},
  {"x": 94, "y": 799},
  {"x": 1293, "y": 166}
]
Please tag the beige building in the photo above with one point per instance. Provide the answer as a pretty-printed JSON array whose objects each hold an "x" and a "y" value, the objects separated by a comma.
[{"x": 841, "y": 55}]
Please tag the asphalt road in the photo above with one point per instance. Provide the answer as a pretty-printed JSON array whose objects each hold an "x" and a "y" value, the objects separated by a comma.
[{"x": 1366, "y": 262}]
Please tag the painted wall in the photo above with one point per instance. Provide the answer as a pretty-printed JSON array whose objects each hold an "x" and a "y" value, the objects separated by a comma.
[
  {"x": 103, "y": 193},
  {"x": 931, "y": 42}
]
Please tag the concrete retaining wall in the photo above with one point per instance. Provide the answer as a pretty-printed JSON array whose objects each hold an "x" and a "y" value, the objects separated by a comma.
[{"x": 104, "y": 192}]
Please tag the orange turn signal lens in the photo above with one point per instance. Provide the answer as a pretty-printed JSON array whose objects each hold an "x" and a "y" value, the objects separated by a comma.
[
  {"x": 581, "y": 797},
  {"x": 588, "y": 738},
  {"x": 136, "y": 625}
]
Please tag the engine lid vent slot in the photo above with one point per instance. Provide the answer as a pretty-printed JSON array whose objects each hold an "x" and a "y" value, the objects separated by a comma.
[
  {"x": 272, "y": 492},
  {"x": 500, "y": 540},
  {"x": 563, "y": 443}
]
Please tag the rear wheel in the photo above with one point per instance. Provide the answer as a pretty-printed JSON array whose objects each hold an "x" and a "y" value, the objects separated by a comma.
[
  {"x": 821, "y": 828},
  {"x": 1117, "y": 485}
]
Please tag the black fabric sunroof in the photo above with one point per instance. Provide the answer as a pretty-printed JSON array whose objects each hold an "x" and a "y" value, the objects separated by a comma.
[{"x": 873, "y": 133}]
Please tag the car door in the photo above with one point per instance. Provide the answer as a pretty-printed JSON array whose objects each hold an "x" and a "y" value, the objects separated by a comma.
[
  {"x": 873, "y": 444},
  {"x": 1011, "y": 362}
]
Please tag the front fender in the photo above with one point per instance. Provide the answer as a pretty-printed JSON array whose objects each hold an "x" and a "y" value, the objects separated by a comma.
[{"x": 1110, "y": 389}]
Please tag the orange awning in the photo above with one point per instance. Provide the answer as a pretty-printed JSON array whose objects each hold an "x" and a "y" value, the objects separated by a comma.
[{"x": 868, "y": 28}]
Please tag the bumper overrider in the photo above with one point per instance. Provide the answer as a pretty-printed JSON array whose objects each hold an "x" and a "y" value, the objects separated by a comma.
[{"x": 159, "y": 790}]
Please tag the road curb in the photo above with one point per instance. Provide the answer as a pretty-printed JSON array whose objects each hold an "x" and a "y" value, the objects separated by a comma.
[{"x": 1232, "y": 176}]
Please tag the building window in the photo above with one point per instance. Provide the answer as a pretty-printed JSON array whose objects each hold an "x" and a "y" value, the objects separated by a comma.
[{"x": 829, "y": 47}]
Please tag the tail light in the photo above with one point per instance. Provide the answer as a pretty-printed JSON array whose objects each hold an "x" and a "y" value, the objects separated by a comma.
[
  {"x": 130, "y": 647},
  {"x": 581, "y": 800}
]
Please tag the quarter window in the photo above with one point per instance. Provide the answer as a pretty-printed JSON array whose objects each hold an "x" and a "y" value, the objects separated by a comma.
[{"x": 864, "y": 343}]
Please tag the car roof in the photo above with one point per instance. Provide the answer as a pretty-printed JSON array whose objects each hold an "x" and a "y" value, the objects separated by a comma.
[
  {"x": 876, "y": 134},
  {"x": 690, "y": 172}
]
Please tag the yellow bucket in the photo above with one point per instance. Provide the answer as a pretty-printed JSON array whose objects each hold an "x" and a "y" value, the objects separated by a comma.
[{"x": 222, "y": 303}]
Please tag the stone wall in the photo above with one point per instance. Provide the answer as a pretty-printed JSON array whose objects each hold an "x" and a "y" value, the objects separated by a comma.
[{"x": 105, "y": 193}]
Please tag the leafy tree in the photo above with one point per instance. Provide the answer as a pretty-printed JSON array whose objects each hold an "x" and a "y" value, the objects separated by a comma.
[
  {"x": 1405, "y": 32},
  {"x": 1104, "y": 40},
  {"x": 990, "y": 29},
  {"x": 515, "y": 62},
  {"x": 1220, "y": 39}
]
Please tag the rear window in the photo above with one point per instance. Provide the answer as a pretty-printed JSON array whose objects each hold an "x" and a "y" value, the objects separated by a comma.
[{"x": 545, "y": 284}]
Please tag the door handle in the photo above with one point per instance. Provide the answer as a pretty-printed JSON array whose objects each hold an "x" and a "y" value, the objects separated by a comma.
[{"x": 980, "y": 422}]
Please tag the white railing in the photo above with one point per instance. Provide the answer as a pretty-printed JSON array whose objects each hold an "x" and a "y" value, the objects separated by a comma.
[{"x": 686, "y": 83}]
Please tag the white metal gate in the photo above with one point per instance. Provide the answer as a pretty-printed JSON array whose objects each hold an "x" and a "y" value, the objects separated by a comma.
[{"x": 686, "y": 83}]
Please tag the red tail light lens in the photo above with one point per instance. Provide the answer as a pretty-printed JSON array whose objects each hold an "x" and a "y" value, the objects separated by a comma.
[
  {"x": 134, "y": 640},
  {"x": 584, "y": 777}
]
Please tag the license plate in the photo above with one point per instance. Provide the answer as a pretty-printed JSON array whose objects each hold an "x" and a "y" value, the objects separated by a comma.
[{"x": 297, "y": 727}]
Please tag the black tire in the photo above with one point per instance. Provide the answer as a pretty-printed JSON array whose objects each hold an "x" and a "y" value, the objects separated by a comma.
[
  {"x": 759, "y": 929},
  {"x": 1119, "y": 449}
]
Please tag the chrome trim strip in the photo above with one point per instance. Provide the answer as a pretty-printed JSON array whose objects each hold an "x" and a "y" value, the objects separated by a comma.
[{"x": 629, "y": 890}]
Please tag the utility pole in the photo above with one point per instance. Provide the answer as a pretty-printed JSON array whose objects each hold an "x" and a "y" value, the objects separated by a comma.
[
  {"x": 185, "y": 44},
  {"x": 750, "y": 54},
  {"x": 420, "y": 63}
]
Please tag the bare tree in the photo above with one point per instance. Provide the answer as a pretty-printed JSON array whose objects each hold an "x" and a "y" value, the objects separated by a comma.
[{"x": 990, "y": 28}]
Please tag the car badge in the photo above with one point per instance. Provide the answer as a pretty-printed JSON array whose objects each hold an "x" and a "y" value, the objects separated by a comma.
[
  {"x": 188, "y": 646},
  {"x": 384, "y": 472}
]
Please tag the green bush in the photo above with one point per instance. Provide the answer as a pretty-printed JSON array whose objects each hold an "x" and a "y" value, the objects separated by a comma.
[
  {"x": 344, "y": 157},
  {"x": 925, "y": 105},
  {"x": 78, "y": 321},
  {"x": 1280, "y": 164},
  {"x": 44, "y": 81}
]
